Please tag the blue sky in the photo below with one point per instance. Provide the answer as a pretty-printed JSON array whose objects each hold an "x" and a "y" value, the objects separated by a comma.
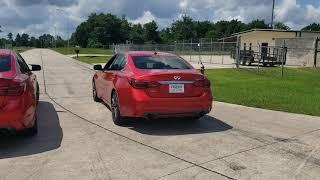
[{"x": 36, "y": 17}]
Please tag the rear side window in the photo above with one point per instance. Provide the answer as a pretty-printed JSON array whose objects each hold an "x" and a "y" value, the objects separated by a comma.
[
  {"x": 5, "y": 63},
  {"x": 159, "y": 62}
]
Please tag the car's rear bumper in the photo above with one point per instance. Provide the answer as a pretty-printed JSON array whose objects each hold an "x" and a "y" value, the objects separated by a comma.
[
  {"x": 17, "y": 117},
  {"x": 10, "y": 120},
  {"x": 166, "y": 107},
  {"x": 156, "y": 115}
]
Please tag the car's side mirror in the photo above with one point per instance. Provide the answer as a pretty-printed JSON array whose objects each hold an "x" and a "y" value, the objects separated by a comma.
[
  {"x": 35, "y": 67},
  {"x": 97, "y": 67}
]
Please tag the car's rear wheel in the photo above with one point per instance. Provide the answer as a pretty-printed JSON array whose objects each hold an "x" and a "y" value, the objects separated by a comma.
[
  {"x": 38, "y": 94},
  {"x": 116, "y": 117},
  {"x": 32, "y": 131},
  {"x": 94, "y": 92}
]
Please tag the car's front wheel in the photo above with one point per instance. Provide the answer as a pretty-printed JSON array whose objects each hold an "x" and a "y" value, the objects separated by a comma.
[{"x": 116, "y": 117}]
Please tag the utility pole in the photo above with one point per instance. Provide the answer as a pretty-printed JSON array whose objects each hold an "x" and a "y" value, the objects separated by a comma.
[{"x": 272, "y": 15}]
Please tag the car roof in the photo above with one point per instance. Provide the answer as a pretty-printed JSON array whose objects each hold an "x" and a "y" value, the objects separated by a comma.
[
  {"x": 148, "y": 53},
  {"x": 5, "y": 52}
]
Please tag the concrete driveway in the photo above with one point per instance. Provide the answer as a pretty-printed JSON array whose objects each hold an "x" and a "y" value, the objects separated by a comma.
[{"x": 77, "y": 139}]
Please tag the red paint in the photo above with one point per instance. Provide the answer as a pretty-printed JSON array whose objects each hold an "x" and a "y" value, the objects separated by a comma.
[
  {"x": 18, "y": 96},
  {"x": 140, "y": 91}
]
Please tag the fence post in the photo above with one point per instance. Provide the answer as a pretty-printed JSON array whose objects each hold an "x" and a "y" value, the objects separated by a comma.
[
  {"x": 238, "y": 51},
  {"x": 222, "y": 52},
  {"x": 316, "y": 52},
  {"x": 211, "y": 51},
  {"x": 283, "y": 57},
  {"x": 191, "y": 51},
  {"x": 199, "y": 51}
]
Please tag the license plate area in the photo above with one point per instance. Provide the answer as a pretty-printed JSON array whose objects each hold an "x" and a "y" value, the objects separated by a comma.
[{"x": 176, "y": 88}]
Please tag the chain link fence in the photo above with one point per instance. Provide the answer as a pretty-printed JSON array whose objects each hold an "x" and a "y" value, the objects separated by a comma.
[
  {"x": 206, "y": 52},
  {"x": 298, "y": 52}
]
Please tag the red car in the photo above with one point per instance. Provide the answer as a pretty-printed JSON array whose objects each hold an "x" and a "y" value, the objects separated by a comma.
[
  {"x": 151, "y": 85},
  {"x": 19, "y": 94}
]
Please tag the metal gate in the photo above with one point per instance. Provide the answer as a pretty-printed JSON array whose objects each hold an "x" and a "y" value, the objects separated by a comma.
[{"x": 316, "y": 51}]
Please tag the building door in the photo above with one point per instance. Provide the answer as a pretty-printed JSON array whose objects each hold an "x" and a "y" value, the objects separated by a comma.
[{"x": 264, "y": 51}]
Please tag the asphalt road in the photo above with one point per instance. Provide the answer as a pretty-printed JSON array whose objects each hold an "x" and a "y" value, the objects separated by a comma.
[{"x": 77, "y": 139}]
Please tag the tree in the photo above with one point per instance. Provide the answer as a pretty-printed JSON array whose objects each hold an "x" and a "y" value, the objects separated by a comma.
[
  {"x": 18, "y": 40},
  {"x": 102, "y": 28},
  {"x": 33, "y": 42},
  {"x": 10, "y": 37},
  {"x": 24, "y": 39},
  {"x": 46, "y": 41},
  {"x": 136, "y": 34},
  {"x": 151, "y": 35},
  {"x": 281, "y": 26},
  {"x": 166, "y": 36},
  {"x": 312, "y": 27},
  {"x": 184, "y": 29},
  {"x": 257, "y": 24}
]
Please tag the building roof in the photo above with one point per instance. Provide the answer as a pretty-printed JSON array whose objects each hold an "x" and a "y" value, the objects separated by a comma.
[{"x": 267, "y": 30}]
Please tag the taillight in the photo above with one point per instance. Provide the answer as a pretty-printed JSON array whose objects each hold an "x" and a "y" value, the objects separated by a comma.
[
  {"x": 142, "y": 84},
  {"x": 12, "y": 88},
  {"x": 202, "y": 83}
]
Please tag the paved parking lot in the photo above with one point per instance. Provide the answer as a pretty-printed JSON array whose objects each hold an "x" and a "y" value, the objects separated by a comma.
[{"x": 77, "y": 139}]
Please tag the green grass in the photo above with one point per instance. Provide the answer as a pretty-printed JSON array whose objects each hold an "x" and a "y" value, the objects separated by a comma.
[
  {"x": 22, "y": 49},
  {"x": 298, "y": 91},
  {"x": 93, "y": 60},
  {"x": 65, "y": 51}
]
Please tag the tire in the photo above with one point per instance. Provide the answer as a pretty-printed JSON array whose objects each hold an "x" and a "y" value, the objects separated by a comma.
[
  {"x": 37, "y": 94},
  {"x": 94, "y": 92},
  {"x": 117, "y": 119},
  {"x": 194, "y": 119},
  {"x": 32, "y": 131},
  {"x": 248, "y": 62}
]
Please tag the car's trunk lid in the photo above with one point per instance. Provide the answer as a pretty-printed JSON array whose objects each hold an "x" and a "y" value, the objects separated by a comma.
[{"x": 173, "y": 84}]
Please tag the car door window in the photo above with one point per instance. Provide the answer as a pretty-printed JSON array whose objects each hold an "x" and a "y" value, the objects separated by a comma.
[
  {"x": 116, "y": 66},
  {"x": 24, "y": 68},
  {"x": 110, "y": 62},
  {"x": 123, "y": 64}
]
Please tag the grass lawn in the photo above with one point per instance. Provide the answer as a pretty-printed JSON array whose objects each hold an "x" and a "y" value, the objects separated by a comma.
[
  {"x": 22, "y": 49},
  {"x": 298, "y": 91},
  {"x": 93, "y": 60},
  {"x": 83, "y": 51}
]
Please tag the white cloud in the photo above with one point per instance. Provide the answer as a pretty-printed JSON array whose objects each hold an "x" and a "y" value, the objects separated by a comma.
[
  {"x": 39, "y": 16},
  {"x": 312, "y": 13},
  {"x": 147, "y": 17}
]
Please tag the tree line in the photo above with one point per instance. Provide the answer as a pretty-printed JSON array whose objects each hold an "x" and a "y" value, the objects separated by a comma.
[
  {"x": 24, "y": 40},
  {"x": 101, "y": 30},
  {"x": 105, "y": 29}
]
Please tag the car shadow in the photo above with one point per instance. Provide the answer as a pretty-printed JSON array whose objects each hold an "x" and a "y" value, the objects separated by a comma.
[
  {"x": 49, "y": 135},
  {"x": 171, "y": 127}
]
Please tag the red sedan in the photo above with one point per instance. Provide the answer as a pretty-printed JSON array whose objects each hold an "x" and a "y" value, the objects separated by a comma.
[
  {"x": 19, "y": 94},
  {"x": 151, "y": 85}
]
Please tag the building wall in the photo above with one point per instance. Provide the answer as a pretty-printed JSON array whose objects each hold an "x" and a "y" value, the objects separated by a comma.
[
  {"x": 300, "y": 45},
  {"x": 258, "y": 37},
  {"x": 300, "y": 51}
]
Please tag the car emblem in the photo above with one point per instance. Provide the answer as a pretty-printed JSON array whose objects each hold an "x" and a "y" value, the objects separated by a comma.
[{"x": 176, "y": 78}]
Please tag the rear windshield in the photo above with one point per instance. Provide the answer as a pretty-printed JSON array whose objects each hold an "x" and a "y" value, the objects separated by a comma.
[
  {"x": 159, "y": 62},
  {"x": 5, "y": 63}
]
